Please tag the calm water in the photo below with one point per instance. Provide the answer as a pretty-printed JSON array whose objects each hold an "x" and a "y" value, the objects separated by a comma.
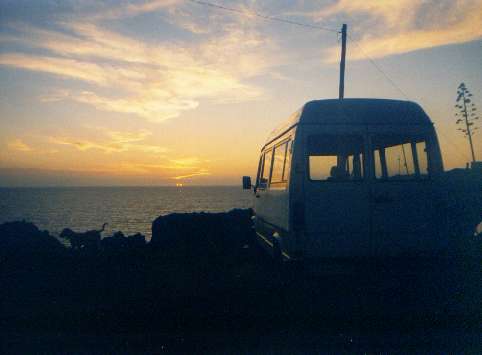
[{"x": 129, "y": 209}]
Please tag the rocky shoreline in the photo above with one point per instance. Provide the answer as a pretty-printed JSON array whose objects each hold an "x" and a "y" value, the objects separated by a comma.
[{"x": 202, "y": 273}]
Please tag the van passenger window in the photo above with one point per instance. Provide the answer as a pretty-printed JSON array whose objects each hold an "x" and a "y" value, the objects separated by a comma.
[
  {"x": 335, "y": 157},
  {"x": 399, "y": 157},
  {"x": 263, "y": 182},
  {"x": 286, "y": 170},
  {"x": 260, "y": 169},
  {"x": 278, "y": 163}
]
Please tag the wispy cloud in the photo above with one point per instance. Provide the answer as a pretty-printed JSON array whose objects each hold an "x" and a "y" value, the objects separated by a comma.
[
  {"x": 201, "y": 172},
  {"x": 129, "y": 9},
  {"x": 18, "y": 145},
  {"x": 186, "y": 162},
  {"x": 164, "y": 169},
  {"x": 185, "y": 167},
  {"x": 155, "y": 81},
  {"x": 384, "y": 28},
  {"x": 115, "y": 142},
  {"x": 60, "y": 66}
]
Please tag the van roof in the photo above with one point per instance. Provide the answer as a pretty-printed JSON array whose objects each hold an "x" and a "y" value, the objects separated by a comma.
[{"x": 355, "y": 112}]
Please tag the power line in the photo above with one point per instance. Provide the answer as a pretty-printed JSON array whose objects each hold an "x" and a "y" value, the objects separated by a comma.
[
  {"x": 262, "y": 16},
  {"x": 276, "y": 19},
  {"x": 377, "y": 67},
  {"x": 374, "y": 63}
]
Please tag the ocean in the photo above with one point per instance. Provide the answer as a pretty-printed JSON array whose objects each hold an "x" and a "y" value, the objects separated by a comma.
[{"x": 126, "y": 209}]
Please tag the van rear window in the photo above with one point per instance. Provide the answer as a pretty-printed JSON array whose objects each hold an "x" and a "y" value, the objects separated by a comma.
[
  {"x": 399, "y": 157},
  {"x": 335, "y": 157}
]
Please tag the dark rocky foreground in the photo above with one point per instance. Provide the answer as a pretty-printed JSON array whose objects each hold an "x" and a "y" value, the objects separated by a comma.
[{"x": 202, "y": 285}]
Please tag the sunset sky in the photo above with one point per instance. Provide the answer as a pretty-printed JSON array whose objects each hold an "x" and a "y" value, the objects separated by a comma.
[{"x": 162, "y": 92}]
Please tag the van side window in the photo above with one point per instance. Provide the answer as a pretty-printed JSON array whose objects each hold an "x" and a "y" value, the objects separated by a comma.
[
  {"x": 263, "y": 181},
  {"x": 287, "y": 168},
  {"x": 399, "y": 157},
  {"x": 335, "y": 157},
  {"x": 260, "y": 169},
  {"x": 279, "y": 163}
]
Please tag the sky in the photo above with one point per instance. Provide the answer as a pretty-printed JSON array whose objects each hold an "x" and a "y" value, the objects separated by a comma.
[{"x": 164, "y": 92}]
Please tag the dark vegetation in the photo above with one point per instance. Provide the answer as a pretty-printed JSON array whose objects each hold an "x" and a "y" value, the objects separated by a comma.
[{"x": 203, "y": 274}]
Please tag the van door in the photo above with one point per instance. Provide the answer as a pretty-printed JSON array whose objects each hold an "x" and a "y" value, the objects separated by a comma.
[
  {"x": 402, "y": 201},
  {"x": 261, "y": 206},
  {"x": 271, "y": 203},
  {"x": 336, "y": 196}
]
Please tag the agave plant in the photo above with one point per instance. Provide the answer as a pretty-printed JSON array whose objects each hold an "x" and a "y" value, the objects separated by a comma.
[{"x": 466, "y": 115}]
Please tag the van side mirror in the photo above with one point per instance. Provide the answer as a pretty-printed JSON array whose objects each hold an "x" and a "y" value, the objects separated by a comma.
[{"x": 246, "y": 183}]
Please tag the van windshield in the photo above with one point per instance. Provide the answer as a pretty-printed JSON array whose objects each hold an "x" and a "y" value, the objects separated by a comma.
[
  {"x": 335, "y": 157},
  {"x": 400, "y": 157}
]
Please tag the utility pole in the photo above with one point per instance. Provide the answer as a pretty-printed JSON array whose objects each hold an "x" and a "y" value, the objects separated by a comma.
[{"x": 341, "y": 93}]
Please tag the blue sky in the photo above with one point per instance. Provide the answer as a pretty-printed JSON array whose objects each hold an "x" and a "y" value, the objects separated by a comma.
[{"x": 156, "y": 92}]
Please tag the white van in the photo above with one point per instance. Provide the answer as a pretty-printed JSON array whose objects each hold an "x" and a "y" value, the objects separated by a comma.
[{"x": 350, "y": 178}]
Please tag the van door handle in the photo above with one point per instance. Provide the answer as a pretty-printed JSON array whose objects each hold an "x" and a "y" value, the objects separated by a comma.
[{"x": 384, "y": 198}]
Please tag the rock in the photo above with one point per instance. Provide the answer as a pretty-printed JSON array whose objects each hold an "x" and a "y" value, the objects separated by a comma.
[
  {"x": 136, "y": 240},
  {"x": 116, "y": 242},
  {"x": 25, "y": 237},
  {"x": 203, "y": 234}
]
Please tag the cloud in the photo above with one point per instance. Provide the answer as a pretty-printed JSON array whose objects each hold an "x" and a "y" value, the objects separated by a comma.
[
  {"x": 152, "y": 81},
  {"x": 384, "y": 28},
  {"x": 192, "y": 163},
  {"x": 116, "y": 142},
  {"x": 154, "y": 105},
  {"x": 130, "y": 10},
  {"x": 54, "y": 95},
  {"x": 185, "y": 167},
  {"x": 201, "y": 172},
  {"x": 127, "y": 137},
  {"x": 390, "y": 12},
  {"x": 18, "y": 145},
  {"x": 186, "y": 162},
  {"x": 189, "y": 166},
  {"x": 60, "y": 66}
]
